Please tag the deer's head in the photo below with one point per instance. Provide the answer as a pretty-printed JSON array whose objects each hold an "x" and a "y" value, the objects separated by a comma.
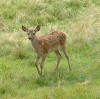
[{"x": 30, "y": 32}]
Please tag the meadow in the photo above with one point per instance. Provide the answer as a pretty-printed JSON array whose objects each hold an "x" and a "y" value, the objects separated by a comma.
[{"x": 80, "y": 19}]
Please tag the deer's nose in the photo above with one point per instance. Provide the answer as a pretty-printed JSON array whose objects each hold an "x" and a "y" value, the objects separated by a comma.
[{"x": 29, "y": 38}]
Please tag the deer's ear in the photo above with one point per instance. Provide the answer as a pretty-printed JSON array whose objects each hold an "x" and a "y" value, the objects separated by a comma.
[
  {"x": 24, "y": 28},
  {"x": 37, "y": 28}
]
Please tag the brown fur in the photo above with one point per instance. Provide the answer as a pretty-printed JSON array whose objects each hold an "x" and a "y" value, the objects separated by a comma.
[
  {"x": 51, "y": 42},
  {"x": 48, "y": 43}
]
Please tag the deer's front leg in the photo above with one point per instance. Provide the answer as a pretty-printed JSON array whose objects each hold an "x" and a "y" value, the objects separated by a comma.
[
  {"x": 42, "y": 63},
  {"x": 36, "y": 64}
]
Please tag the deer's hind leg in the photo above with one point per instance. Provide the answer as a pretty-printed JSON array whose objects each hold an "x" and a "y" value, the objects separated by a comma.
[
  {"x": 67, "y": 57},
  {"x": 58, "y": 59}
]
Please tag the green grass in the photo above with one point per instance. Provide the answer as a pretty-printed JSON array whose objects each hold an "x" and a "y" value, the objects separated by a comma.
[{"x": 80, "y": 19}]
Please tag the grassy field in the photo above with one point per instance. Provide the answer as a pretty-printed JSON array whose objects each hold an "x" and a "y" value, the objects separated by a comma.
[{"x": 80, "y": 19}]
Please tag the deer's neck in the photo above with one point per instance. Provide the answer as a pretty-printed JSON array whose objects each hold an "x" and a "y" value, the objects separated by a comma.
[{"x": 35, "y": 44}]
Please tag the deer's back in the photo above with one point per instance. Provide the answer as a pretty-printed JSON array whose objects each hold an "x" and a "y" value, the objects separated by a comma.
[{"x": 52, "y": 42}]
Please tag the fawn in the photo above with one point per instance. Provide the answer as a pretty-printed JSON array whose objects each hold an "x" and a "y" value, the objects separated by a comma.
[{"x": 45, "y": 44}]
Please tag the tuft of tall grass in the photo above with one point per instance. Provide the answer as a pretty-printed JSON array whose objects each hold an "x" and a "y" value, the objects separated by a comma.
[{"x": 19, "y": 50}]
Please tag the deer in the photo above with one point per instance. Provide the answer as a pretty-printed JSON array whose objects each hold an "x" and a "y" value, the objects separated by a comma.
[{"x": 53, "y": 42}]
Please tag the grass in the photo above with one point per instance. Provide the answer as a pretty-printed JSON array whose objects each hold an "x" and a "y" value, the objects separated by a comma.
[{"x": 80, "y": 19}]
